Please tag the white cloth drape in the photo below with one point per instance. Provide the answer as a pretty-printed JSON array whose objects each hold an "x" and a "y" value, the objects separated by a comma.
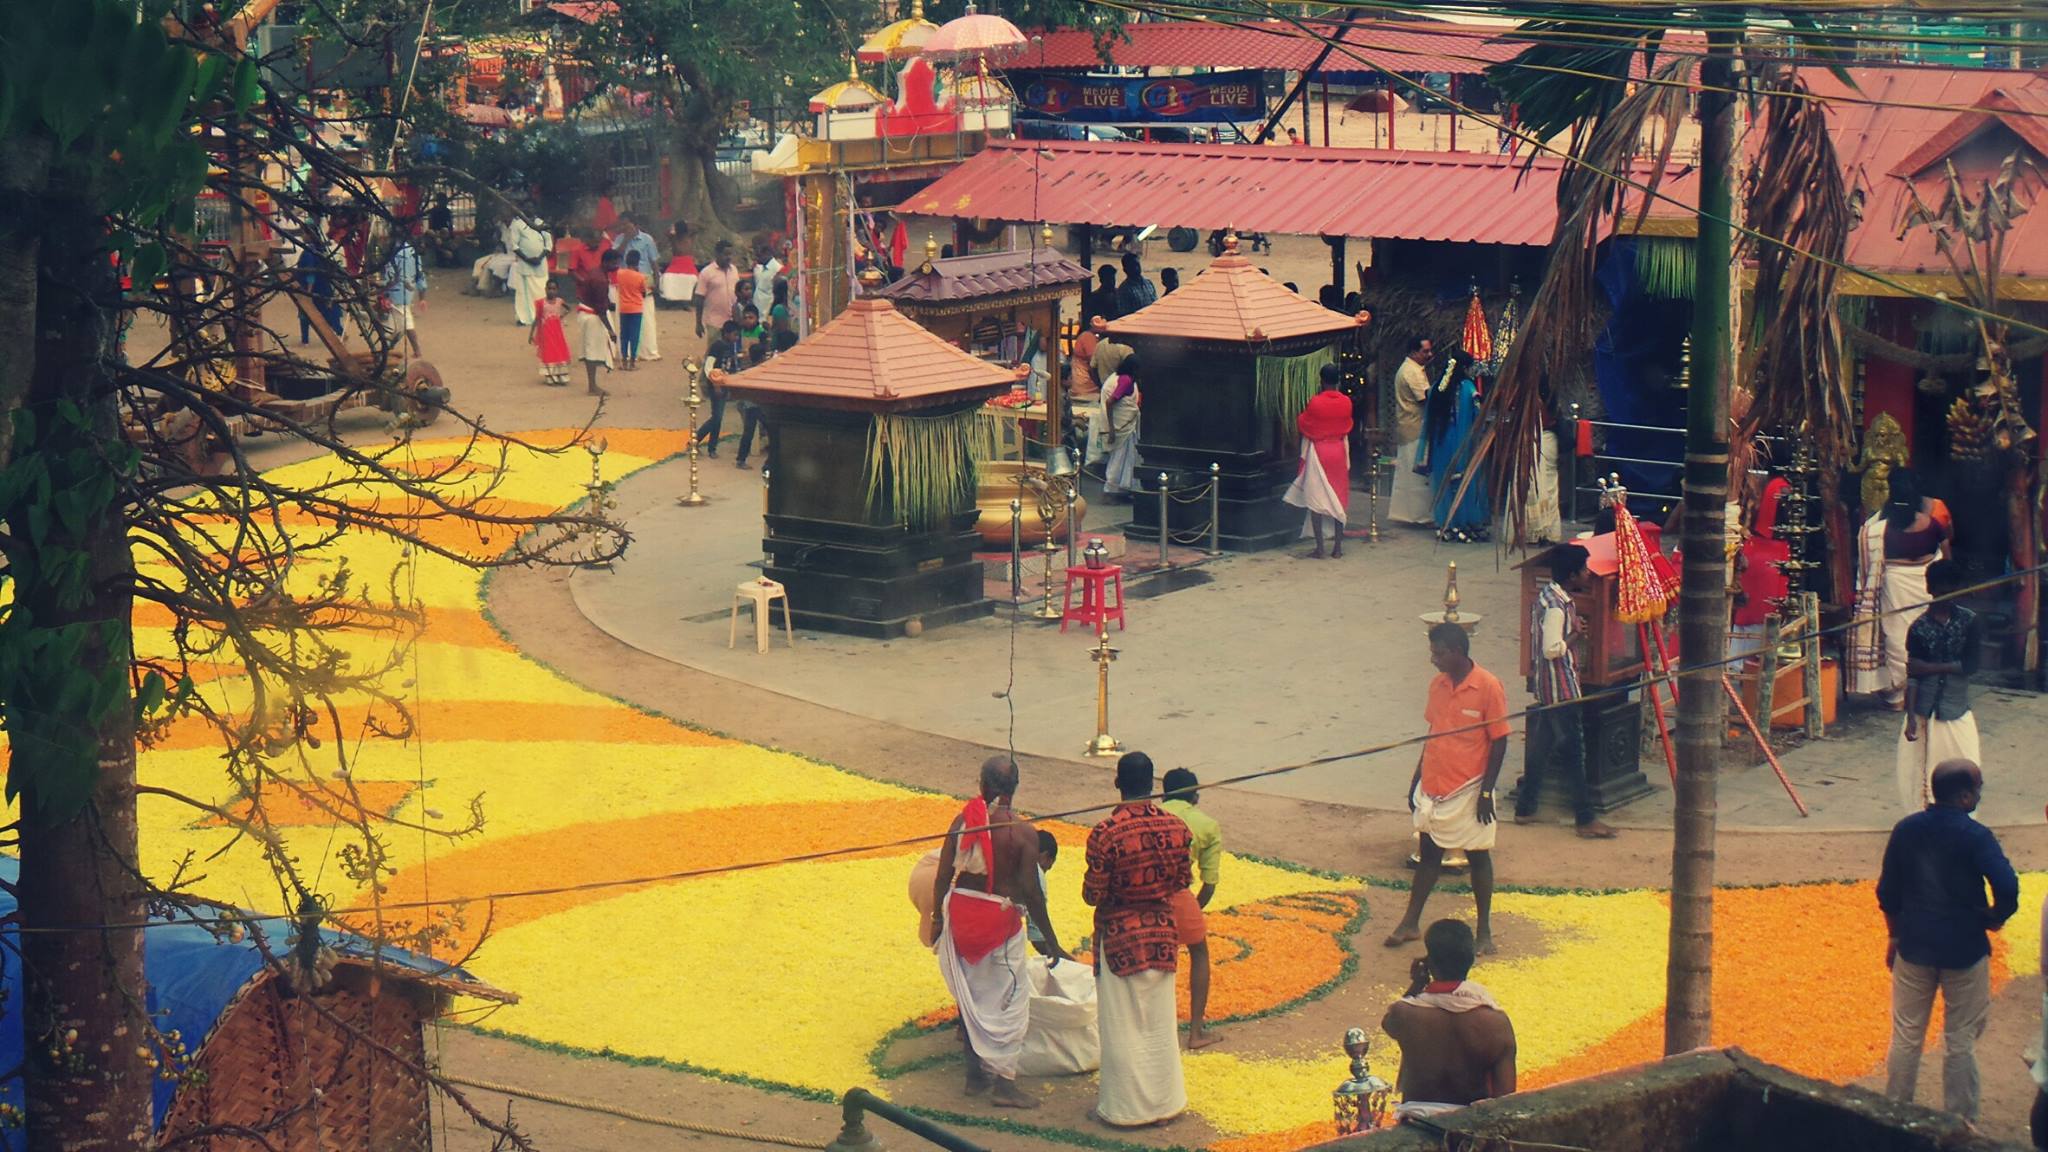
[
  {"x": 1542, "y": 514},
  {"x": 1410, "y": 503},
  {"x": 1141, "y": 1080},
  {"x": 994, "y": 998},
  {"x": 1312, "y": 490},
  {"x": 1867, "y": 673},
  {"x": 1939, "y": 740},
  {"x": 1905, "y": 600}
]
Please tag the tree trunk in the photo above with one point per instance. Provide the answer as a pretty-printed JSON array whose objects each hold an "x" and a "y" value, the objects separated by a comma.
[
  {"x": 1703, "y": 597},
  {"x": 87, "y": 1079},
  {"x": 699, "y": 201}
]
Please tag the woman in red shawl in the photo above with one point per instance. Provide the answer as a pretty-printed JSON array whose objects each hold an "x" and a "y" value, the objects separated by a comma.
[{"x": 1323, "y": 484}]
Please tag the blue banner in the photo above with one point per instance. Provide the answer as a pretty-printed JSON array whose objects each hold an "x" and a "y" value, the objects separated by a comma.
[{"x": 1209, "y": 98}]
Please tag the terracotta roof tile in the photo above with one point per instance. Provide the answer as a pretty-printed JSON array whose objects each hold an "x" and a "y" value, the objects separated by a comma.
[
  {"x": 871, "y": 357},
  {"x": 987, "y": 274},
  {"x": 1231, "y": 301}
]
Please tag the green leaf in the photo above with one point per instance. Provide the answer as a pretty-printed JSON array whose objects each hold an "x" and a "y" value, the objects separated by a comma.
[
  {"x": 247, "y": 86},
  {"x": 149, "y": 260},
  {"x": 151, "y": 697}
]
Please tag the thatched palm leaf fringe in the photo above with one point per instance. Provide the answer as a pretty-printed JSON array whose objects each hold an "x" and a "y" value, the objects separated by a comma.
[
  {"x": 1665, "y": 266},
  {"x": 1560, "y": 321},
  {"x": 1795, "y": 195},
  {"x": 920, "y": 469},
  {"x": 1285, "y": 386}
]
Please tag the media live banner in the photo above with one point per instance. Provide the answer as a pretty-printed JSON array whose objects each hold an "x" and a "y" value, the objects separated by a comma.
[{"x": 1211, "y": 97}]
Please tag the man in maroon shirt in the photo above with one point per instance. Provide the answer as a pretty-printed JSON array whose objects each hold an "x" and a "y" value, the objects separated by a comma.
[
  {"x": 1137, "y": 860},
  {"x": 594, "y": 335}
]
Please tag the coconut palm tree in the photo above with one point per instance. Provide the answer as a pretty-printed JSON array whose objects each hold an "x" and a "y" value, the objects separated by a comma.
[{"x": 1616, "y": 98}]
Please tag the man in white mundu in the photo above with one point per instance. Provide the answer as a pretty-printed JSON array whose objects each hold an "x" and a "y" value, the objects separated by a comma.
[
  {"x": 1410, "y": 502},
  {"x": 1139, "y": 859},
  {"x": 987, "y": 882}
]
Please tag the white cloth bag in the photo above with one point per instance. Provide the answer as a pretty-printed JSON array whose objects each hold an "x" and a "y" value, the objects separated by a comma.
[{"x": 1063, "y": 1039}]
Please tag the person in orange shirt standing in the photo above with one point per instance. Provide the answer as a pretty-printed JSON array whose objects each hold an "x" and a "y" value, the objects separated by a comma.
[
  {"x": 1452, "y": 792},
  {"x": 632, "y": 285}
]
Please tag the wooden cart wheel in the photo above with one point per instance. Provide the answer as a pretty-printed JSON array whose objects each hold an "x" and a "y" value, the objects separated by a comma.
[{"x": 423, "y": 393}]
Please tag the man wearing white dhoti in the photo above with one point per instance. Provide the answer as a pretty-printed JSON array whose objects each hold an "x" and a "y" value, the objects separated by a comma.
[
  {"x": 1452, "y": 792},
  {"x": 1410, "y": 502},
  {"x": 985, "y": 884},
  {"x": 530, "y": 246},
  {"x": 1941, "y": 653},
  {"x": 1138, "y": 860}
]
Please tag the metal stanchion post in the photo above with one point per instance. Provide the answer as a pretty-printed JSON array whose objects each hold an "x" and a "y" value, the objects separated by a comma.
[
  {"x": 1809, "y": 646},
  {"x": 1104, "y": 744},
  {"x": 694, "y": 498},
  {"x": 766, "y": 530},
  {"x": 1045, "y": 609},
  {"x": 1016, "y": 552},
  {"x": 1073, "y": 528},
  {"x": 1372, "y": 490},
  {"x": 1568, "y": 469},
  {"x": 1215, "y": 509},
  {"x": 1164, "y": 533}
]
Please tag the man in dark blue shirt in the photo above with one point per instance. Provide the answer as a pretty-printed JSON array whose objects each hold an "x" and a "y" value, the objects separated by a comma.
[{"x": 1936, "y": 867}]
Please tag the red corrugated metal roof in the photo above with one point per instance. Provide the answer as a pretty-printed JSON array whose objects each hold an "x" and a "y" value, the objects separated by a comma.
[
  {"x": 1299, "y": 190},
  {"x": 1893, "y": 138},
  {"x": 874, "y": 358},
  {"x": 985, "y": 275},
  {"x": 1397, "y": 46},
  {"x": 1232, "y": 301}
]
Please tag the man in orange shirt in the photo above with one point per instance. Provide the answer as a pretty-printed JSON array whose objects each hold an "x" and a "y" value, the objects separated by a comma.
[
  {"x": 1452, "y": 792},
  {"x": 632, "y": 285}
]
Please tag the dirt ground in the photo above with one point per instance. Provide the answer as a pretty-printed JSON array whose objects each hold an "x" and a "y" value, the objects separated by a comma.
[{"x": 492, "y": 372}]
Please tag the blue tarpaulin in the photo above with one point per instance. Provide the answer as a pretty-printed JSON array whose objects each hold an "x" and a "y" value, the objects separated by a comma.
[{"x": 193, "y": 976}]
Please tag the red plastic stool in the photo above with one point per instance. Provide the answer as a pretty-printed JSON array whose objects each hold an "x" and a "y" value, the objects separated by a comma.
[{"x": 1094, "y": 610}]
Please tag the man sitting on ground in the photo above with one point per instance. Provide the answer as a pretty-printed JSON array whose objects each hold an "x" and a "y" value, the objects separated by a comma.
[{"x": 1457, "y": 1045}]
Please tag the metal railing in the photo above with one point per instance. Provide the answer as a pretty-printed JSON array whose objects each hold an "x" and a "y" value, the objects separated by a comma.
[
  {"x": 855, "y": 1137},
  {"x": 1585, "y": 480}
]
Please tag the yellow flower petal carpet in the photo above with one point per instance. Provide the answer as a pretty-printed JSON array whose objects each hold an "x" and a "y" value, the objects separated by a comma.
[{"x": 740, "y": 974}]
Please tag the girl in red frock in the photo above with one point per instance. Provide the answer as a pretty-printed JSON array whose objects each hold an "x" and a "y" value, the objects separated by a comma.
[{"x": 547, "y": 336}]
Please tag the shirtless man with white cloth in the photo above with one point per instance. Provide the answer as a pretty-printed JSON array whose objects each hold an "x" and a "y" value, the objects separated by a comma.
[
  {"x": 1457, "y": 1046},
  {"x": 987, "y": 882}
]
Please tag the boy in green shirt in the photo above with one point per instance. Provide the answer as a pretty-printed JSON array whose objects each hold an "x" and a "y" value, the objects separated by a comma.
[{"x": 1207, "y": 851}]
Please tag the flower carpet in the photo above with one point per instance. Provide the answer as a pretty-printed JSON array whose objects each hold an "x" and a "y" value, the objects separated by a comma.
[{"x": 797, "y": 976}]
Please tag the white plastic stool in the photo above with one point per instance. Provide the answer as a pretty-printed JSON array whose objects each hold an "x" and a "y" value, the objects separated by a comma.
[{"x": 762, "y": 594}]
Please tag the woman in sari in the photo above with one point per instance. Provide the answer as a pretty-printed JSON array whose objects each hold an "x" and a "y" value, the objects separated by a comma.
[
  {"x": 1896, "y": 545},
  {"x": 1120, "y": 419},
  {"x": 1450, "y": 453}
]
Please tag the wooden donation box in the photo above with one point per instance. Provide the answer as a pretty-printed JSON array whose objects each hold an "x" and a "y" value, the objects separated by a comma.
[
  {"x": 1227, "y": 363},
  {"x": 870, "y": 521},
  {"x": 1610, "y": 653}
]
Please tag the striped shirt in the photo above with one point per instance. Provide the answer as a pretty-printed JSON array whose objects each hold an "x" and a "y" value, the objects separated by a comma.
[{"x": 1552, "y": 679}]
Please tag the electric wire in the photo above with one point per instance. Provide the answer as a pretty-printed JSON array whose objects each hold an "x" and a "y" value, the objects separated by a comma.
[
  {"x": 1674, "y": 676},
  {"x": 1641, "y": 188}
]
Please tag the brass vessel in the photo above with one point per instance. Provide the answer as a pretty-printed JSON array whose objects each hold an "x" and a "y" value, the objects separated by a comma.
[{"x": 1044, "y": 502}]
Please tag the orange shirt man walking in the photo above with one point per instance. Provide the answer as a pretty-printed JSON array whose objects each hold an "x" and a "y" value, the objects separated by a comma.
[{"x": 1451, "y": 794}]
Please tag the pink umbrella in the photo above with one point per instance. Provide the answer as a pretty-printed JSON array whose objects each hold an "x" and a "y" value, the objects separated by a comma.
[{"x": 975, "y": 36}]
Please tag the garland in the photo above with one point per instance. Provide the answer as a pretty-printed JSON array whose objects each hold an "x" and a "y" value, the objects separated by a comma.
[
  {"x": 1285, "y": 386},
  {"x": 920, "y": 469}
]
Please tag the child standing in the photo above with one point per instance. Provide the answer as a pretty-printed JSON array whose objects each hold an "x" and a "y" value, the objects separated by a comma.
[
  {"x": 632, "y": 286},
  {"x": 550, "y": 340}
]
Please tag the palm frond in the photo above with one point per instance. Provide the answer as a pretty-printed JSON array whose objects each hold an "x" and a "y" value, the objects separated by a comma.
[
  {"x": 1795, "y": 195},
  {"x": 1560, "y": 322},
  {"x": 920, "y": 469}
]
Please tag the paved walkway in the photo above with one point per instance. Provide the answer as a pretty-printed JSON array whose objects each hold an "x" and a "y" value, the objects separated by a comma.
[{"x": 1244, "y": 663}]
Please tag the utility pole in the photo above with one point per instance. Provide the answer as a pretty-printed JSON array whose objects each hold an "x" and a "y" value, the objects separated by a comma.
[{"x": 1703, "y": 595}]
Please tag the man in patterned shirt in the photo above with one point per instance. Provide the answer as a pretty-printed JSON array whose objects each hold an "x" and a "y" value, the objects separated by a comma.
[
  {"x": 1556, "y": 736},
  {"x": 1137, "y": 860}
]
